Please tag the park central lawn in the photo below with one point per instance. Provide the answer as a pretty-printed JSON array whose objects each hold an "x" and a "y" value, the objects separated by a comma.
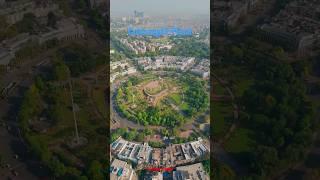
[
  {"x": 218, "y": 89},
  {"x": 89, "y": 125},
  {"x": 177, "y": 99},
  {"x": 184, "y": 106},
  {"x": 222, "y": 118},
  {"x": 99, "y": 97},
  {"x": 169, "y": 108},
  {"x": 242, "y": 86},
  {"x": 240, "y": 145}
]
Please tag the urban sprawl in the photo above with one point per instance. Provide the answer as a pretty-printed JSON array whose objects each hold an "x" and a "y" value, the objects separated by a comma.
[{"x": 178, "y": 161}]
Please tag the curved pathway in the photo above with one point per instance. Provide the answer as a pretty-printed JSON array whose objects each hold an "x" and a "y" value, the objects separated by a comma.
[
  {"x": 218, "y": 149},
  {"x": 124, "y": 122}
]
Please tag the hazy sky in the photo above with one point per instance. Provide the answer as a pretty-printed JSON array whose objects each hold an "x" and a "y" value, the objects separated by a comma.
[{"x": 155, "y": 7}]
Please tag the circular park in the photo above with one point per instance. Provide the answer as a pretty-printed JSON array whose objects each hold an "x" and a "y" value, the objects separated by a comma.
[{"x": 166, "y": 100}]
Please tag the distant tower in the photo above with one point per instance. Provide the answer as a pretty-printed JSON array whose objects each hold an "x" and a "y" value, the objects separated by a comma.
[{"x": 138, "y": 14}]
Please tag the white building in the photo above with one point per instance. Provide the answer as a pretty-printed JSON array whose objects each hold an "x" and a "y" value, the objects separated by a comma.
[
  {"x": 172, "y": 62},
  {"x": 194, "y": 172},
  {"x": 121, "y": 170},
  {"x": 125, "y": 69},
  {"x": 135, "y": 152},
  {"x": 67, "y": 29},
  {"x": 14, "y": 11},
  {"x": 202, "y": 69}
]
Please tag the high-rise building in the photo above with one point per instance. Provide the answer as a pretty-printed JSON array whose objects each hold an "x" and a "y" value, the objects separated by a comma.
[{"x": 138, "y": 14}]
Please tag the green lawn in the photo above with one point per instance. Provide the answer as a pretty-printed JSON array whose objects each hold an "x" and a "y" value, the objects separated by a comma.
[
  {"x": 218, "y": 89},
  {"x": 184, "y": 106},
  {"x": 242, "y": 86},
  {"x": 240, "y": 145},
  {"x": 239, "y": 141},
  {"x": 100, "y": 100},
  {"x": 88, "y": 125},
  {"x": 176, "y": 98},
  {"x": 167, "y": 105},
  {"x": 222, "y": 118},
  {"x": 240, "y": 76}
]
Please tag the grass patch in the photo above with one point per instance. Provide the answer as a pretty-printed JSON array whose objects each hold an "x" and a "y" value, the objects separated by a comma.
[
  {"x": 239, "y": 141},
  {"x": 99, "y": 98},
  {"x": 176, "y": 98},
  {"x": 222, "y": 118},
  {"x": 240, "y": 145},
  {"x": 242, "y": 86},
  {"x": 218, "y": 89},
  {"x": 58, "y": 136},
  {"x": 184, "y": 106}
]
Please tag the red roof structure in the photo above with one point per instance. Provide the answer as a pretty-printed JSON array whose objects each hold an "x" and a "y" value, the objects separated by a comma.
[{"x": 165, "y": 169}]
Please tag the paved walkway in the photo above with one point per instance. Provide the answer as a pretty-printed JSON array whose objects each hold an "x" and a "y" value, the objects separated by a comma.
[{"x": 219, "y": 151}]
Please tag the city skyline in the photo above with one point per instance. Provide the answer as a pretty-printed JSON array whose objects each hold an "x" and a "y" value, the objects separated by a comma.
[{"x": 164, "y": 7}]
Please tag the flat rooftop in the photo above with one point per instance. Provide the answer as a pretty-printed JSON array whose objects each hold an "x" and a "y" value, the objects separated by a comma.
[
  {"x": 121, "y": 170},
  {"x": 299, "y": 18},
  {"x": 194, "y": 171}
]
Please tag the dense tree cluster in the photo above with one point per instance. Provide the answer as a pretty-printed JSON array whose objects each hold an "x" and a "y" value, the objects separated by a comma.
[
  {"x": 31, "y": 106},
  {"x": 195, "y": 96},
  {"x": 180, "y": 140},
  {"x": 47, "y": 90},
  {"x": 61, "y": 72},
  {"x": 80, "y": 60},
  {"x": 152, "y": 116},
  {"x": 115, "y": 43},
  {"x": 280, "y": 116},
  {"x": 156, "y": 144},
  {"x": 274, "y": 107},
  {"x": 183, "y": 46},
  {"x": 131, "y": 135},
  {"x": 206, "y": 166},
  {"x": 222, "y": 171}
]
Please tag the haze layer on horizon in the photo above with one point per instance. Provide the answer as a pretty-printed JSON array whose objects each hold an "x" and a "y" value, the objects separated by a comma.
[{"x": 160, "y": 7}]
